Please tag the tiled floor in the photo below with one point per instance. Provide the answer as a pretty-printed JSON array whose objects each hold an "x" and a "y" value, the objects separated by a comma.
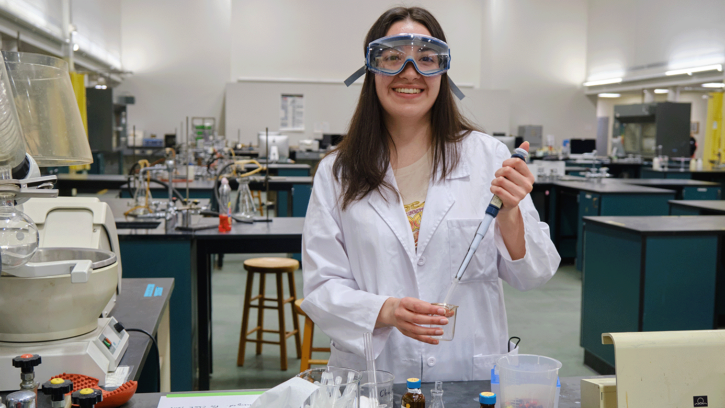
[{"x": 547, "y": 320}]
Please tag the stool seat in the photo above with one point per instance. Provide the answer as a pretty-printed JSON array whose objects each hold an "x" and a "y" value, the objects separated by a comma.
[
  {"x": 278, "y": 267},
  {"x": 307, "y": 348},
  {"x": 271, "y": 265}
]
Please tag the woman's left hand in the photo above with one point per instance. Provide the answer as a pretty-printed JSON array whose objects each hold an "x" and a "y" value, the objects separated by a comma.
[{"x": 513, "y": 181}]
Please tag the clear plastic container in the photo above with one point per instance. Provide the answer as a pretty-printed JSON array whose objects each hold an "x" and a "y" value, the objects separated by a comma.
[
  {"x": 47, "y": 109},
  {"x": 449, "y": 330},
  {"x": 339, "y": 387},
  {"x": 528, "y": 380}
]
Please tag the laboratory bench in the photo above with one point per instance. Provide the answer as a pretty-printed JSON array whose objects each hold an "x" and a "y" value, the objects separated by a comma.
[
  {"x": 655, "y": 273},
  {"x": 293, "y": 192},
  {"x": 686, "y": 189},
  {"x": 697, "y": 207},
  {"x": 570, "y": 201},
  {"x": 186, "y": 257},
  {"x": 456, "y": 394},
  {"x": 715, "y": 175}
]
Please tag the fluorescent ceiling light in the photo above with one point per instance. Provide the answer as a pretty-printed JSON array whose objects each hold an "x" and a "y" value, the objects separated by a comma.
[
  {"x": 713, "y": 85},
  {"x": 609, "y": 95},
  {"x": 603, "y": 82},
  {"x": 662, "y": 91},
  {"x": 689, "y": 71}
]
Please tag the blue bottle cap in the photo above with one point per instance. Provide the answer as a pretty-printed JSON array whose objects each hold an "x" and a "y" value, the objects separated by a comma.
[
  {"x": 413, "y": 382},
  {"x": 487, "y": 398},
  {"x": 494, "y": 376}
]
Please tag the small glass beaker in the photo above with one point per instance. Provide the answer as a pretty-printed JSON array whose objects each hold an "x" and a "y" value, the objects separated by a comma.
[
  {"x": 339, "y": 387},
  {"x": 384, "y": 381},
  {"x": 449, "y": 329}
]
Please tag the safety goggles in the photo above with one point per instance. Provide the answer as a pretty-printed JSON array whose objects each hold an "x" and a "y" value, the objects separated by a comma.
[{"x": 389, "y": 56}]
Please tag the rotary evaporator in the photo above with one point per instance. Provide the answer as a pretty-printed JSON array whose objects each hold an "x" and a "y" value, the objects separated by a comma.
[{"x": 61, "y": 266}]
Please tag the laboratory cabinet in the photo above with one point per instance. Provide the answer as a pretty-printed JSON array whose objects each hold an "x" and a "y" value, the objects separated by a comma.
[
  {"x": 648, "y": 274},
  {"x": 572, "y": 200}
]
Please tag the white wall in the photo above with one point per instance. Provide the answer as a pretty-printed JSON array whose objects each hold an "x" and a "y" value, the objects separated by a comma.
[
  {"x": 650, "y": 36},
  {"x": 98, "y": 24},
  {"x": 323, "y": 39},
  {"x": 537, "y": 51},
  {"x": 252, "y": 106},
  {"x": 178, "y": 51}
]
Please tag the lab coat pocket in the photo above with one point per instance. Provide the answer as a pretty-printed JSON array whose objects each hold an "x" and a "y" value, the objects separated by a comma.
[{"x": 483, "y": 263}]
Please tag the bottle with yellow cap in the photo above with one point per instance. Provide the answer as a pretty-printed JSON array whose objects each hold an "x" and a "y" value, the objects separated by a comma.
[
  {"x": 487, "y": 399},
  {"x": 414, "y": 398}
]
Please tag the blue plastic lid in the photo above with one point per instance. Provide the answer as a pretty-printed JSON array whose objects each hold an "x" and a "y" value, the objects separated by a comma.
[
  {"x": 494, "y": 376},
  {"x": 558, "y": 383},
  {"x": 413, "y": 382},
  {"x": 487, "y": 398}
]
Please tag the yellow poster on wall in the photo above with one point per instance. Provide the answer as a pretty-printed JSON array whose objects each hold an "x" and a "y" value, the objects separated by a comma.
[
  {"x": 79, "y": 89},
  {"x": 713, "y": 131}
]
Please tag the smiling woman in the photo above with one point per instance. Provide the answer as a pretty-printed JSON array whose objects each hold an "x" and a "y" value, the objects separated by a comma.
[{"x": 394, "y": 208}]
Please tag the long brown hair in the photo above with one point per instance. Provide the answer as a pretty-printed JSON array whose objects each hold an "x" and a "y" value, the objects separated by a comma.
[{"x": 363, "y": 156}]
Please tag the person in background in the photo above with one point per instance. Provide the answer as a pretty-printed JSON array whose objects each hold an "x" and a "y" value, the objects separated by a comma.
[{"x": 395, "y": 207}]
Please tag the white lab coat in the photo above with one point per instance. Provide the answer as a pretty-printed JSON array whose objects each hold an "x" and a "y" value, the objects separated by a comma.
[{"x": 353, "y": 260}]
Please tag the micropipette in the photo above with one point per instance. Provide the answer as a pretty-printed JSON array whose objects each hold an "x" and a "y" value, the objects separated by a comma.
[{"x": 491, "y": 212}]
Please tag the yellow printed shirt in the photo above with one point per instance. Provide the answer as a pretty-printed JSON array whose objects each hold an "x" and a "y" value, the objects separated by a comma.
[{"x": 412, "y": 184}]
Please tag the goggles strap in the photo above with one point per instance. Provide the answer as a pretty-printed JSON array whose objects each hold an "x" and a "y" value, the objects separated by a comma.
[
  {"x": 456, "y": 91},
  {"x": 354, "y": 77}
]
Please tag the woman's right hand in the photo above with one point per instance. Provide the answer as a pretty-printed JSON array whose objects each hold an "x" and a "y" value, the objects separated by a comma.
[{"x": 410, "y": 315}]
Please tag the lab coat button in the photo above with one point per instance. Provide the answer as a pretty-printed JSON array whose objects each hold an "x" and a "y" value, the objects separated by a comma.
[
  {"x": 431, "y": 361},
  {"x": 421, "y": 261}
]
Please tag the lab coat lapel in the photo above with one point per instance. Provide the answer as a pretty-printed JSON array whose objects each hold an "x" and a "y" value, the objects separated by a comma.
[
  {"x": 438, "y": 202},
  {"x": 390, "y": 208}
]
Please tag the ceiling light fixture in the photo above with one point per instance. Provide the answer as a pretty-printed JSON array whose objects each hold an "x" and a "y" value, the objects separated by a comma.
[
  {"x": 689, "y": 71},
  {"x": 609, "y": 95},
  {"x": 713, "y": 85},
  {"x": 603, "y": 82},
  {"x": 662, "y": 91}
]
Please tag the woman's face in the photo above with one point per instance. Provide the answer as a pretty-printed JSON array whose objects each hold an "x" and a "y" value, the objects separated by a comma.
[{"x": 408, "y": 95}]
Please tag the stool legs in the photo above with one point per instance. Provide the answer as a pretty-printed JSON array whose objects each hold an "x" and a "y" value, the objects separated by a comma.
[
  {"x": 307, "y": 345},
  {"x": 260, "y": 312},
  {"x": 295, "y": 315},
  {"x": 282, "y": 325},
  {"x": 245, "y": 319}
]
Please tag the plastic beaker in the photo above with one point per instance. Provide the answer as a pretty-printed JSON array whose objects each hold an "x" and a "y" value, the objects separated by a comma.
[
  {"x": 528, "y": 380},
  {"x": 449, "y": 329},
  {"x": 339, "y": 387},
  {"x": 385, "y": 389}
]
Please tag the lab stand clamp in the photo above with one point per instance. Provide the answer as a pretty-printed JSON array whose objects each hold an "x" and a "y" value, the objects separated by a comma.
[{"x": 35, "y": 187}]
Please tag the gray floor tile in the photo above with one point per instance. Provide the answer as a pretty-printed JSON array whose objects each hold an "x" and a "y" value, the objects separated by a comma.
[{"x": 547, "y": 319}]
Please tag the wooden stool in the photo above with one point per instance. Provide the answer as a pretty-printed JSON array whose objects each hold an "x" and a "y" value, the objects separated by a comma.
[
  {"x": 258, "y": 195},
  {"x": 263, "y": 266},
  {"x": 307, "y": 348}
]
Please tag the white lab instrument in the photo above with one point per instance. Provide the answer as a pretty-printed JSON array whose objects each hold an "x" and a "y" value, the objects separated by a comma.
[
  {"x": 280, "y": 143},
  {"x": 309, "y": 145},
  {"x": 599, "y": 393},
  {"x": 61, "y": 268},
  {"x": 669, "y": 369},
  {"x": 547, "y": 171}
]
